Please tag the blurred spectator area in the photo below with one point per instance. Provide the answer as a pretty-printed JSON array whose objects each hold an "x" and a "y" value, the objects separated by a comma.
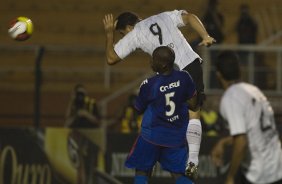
[
  {"x": 73, "y": 35},
  {"x": 80, "y": 22},
  {"x": 61, "y": 70}
]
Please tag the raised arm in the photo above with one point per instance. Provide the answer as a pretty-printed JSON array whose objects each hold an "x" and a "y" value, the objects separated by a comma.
[
  {"x": 112, "y": 57},
  {"x": 197, "y": 25}
]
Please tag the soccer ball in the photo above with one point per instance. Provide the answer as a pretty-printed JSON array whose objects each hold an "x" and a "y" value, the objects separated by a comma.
[{"x": 21, "y": 28}]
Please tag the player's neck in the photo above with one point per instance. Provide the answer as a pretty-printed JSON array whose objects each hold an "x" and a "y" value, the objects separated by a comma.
[{"x": 167, "y": 72}]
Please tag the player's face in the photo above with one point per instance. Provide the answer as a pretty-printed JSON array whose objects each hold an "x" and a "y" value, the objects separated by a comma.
[{"x": 123, "y": 32}]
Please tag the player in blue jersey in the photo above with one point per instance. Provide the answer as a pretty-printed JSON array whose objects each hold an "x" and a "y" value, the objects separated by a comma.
[
  {"x": 163, "y": 29},
  {"x": 164, "y": 99}
]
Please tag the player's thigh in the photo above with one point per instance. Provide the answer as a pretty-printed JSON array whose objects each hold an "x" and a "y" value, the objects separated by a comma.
[
  {"x": 194, "y": 114},
  {"x": 196, "y": 72},
  {"x": 174, "y": 159},
  {"x": 143, "y": 155}
]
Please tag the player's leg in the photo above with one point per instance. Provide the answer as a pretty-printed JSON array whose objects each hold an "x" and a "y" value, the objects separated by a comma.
[
  {"x": 181, "y": 179},
  {"x": 194, "y": 136},
  {"x": 142, "y": 158},
  {"x": 174, "y": 161},
  {"x": 141, "y": 177},
  {"x": 194, "y": 130}
]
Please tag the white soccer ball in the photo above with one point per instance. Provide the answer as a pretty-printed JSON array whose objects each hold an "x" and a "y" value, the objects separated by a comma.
[{"x": 21, "y": 28}]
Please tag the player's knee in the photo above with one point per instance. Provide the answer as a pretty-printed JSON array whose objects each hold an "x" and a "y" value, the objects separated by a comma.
[
  {"x": 194, "y": 114},
  {"x": 201, "y": 97}
]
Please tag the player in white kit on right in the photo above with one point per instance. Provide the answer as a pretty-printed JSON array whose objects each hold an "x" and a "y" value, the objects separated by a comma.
[{"x": 252, "y": 127}]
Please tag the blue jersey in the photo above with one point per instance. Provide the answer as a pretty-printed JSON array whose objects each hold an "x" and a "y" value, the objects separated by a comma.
[{"x": 163, "y": 99}]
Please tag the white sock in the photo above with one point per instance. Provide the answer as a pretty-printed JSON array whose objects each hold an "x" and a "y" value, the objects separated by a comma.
[{"x": 194, "y": 137}]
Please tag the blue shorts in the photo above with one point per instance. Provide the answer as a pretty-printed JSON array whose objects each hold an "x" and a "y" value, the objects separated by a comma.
[{"x": 144, "y": 155}]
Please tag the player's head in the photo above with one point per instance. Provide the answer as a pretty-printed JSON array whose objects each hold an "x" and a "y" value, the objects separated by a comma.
[
  {"x": 228, "y": 67},
  {"x": 125, "y": 22},
  {"x": 163, "y": 59}
]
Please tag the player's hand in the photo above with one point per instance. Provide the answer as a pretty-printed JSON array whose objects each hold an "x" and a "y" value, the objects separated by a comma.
[
  {"x": 207, "y": 41},
  {"x": 217, "y": 154},
  {"x": 108, "y": 23}
]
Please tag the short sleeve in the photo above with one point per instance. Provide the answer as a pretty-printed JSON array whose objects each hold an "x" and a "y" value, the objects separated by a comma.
[
  {"x": 126, "y": 45},
  {"x": 141, "y": 100},
  {"x": 176, "y": 17},
  {"x": 232, "y": 111}
]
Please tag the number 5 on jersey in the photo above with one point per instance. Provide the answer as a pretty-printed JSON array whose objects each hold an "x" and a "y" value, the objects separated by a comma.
[{"x": 169, "y": 103}]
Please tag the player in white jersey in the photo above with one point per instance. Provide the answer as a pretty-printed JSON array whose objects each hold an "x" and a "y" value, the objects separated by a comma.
[
  {"x": 252, "y": 127},
  {"x": 163, "y": 30}
]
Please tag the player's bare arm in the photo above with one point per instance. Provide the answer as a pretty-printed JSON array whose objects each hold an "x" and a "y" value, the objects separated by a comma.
[
  {"x": 238, "y": 154},
  {"x": 197, "y": 25},
  {"x": 218, "y": 150},
  {"x": 112, "y": 57}
]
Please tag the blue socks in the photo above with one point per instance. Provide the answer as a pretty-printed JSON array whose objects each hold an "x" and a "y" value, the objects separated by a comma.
[
  {"x": 183, "y": 180},
  {"x": 139, "y": 179}
]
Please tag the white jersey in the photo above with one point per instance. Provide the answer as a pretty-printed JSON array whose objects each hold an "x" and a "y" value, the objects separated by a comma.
[
  {"x": 248, "y": 112},
  {"x": 155, "y": 31}
]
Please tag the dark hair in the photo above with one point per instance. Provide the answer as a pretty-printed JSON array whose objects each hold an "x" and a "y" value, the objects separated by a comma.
[
  {"x": 164, "y": 55},
  {"x": 228, "y": 65},
  {"x": 125, "y": 19}
]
